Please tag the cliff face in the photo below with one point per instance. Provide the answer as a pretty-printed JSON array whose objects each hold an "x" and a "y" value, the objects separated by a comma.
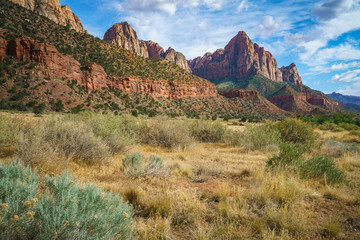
[
  {"x": 291, "y": 74},
  {"x": 94, "y": 77},
  {"x": 239, "y": 93},
  {"x": 123, "y": 35},
  {"x": 241, "y": 58},
  {"x": 52, "y": 9}
]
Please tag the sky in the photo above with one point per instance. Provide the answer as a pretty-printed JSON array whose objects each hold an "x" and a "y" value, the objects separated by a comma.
[{"x": 321, "y": 37}]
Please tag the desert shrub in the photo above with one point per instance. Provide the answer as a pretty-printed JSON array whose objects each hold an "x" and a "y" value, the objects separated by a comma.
[
  {"x": 264, "y": 138},
  {"x": 296, "y": 131},
  {"x": 40, "y": 108},
  {"x": 355, "y": 133},
  {"x": 206, "y": 131},
  {"x": 323, "y": 168},
  {"x": 117, "y": 132},
  {"x": 61, "y": 139},
  {"x": 233, "y": 138},
  {"x": 58, "y": 208},
  {"x": 167, "y": 133},
  {"x": 138, "y": 165},
  {"x": 327, "y": 126},
  {"x": 349, "y": 126},
  {"x": 335, "y": 148},
  {"x": 290, "y": 156}
]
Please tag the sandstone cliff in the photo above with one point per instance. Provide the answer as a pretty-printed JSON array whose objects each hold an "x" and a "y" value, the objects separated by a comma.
[
  {"x": 52, "y": 9},
  {"x": 123, "y": 35},
  {"x": 94, "y": 77},
  {"x": 241, "y": 58},
  {"x": 291, "y": 74}
]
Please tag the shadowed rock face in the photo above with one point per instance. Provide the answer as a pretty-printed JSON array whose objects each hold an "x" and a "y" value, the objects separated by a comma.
[
  {"x": 123, "y": 35},
  {"x": 291, "y": 74},
  {"x": 241, "y": 58},
  {"x": 94, "y": 77},
  {"x": 52, "y": 9}
]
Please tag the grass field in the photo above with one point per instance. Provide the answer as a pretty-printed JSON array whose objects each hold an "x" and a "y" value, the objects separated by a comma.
[{"x": 212, "y": 188}]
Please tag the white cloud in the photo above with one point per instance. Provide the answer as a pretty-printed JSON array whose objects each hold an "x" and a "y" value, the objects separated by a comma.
[
  {"x": 244, "y": 5},
  {"x": 353, "y": 89},
  {"x": 268, "y": 26},
  {"x": 349, "y": 76},
  {"x": 344, "y": 66}
]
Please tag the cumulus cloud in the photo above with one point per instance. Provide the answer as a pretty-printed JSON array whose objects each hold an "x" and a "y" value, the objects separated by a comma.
[
  {"x": 344, "y": 66},
  {"x": 268, "y": 26},
  {"x": 330, "y": 9}
]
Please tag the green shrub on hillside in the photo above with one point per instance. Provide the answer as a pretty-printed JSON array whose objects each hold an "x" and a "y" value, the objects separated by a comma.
[
  {"x": 290, "y": 156},
  {"x": 206, "y": 131},
  {"x": 58, "y": 208},
  {"x": 296, "y": 131}
]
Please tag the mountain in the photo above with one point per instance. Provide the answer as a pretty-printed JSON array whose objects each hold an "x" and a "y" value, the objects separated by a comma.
[
  {"x": 345, "y": 98},
  {"x": 52, "y": 9},
  {"x": 123, "y": 35},
  {"x": 43, "y": 64},
  {"x": 242, "y": 58},
  {"x": 243, "y": 64}
]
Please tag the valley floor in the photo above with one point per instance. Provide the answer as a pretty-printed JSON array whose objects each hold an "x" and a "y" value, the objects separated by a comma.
[{"x": 217, "y": 191}]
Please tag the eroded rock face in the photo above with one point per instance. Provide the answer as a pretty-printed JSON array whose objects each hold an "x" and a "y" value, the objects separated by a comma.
[
  {"x": 94, "y": 77},
  {"x": 176, "y": 57},
  {"x": 52, "y": 9},
  {"x": 291, "y": 74},
  {"x": 123, "y": 35},
  {"x": 241, "y": 58}
]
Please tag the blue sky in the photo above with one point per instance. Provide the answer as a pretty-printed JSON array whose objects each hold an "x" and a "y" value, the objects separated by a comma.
[{"x": 321, "y": 37}]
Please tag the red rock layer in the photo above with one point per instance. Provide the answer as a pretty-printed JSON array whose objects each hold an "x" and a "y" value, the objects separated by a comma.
[
  {"x": 291, "y": 74},
  {"x": 52, "y": 9},
  {"x": 94, "y": 77}
]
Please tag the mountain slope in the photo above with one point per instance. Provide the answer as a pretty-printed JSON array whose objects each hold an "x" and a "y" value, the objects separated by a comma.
[{"x": 345, "y": 98}]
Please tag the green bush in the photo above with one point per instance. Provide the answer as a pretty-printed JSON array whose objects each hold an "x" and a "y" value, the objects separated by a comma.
[
  {"x": 206, "y": 131},
  {"x": 167, "y": 133},
  {"x": 290, "y": 156},
  {"x": 39, "y": 109},
  {"x": 58, "y": 208},
  {"x": 322, "y": 168},
  {"x": 137, "y": 165},
  {"x": 264, "y": 138},
  {"x": 296, "y": 131},
  {"x": 117, "y": 132},
  {"x": 60, "y": 139}
]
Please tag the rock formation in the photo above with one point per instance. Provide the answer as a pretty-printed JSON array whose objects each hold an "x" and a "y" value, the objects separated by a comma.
[
  {"x": 291, "y": 74},
  {"x": 94, "y": 77},
  {"x": 176, "y": 57},
  {"x": 239, "y": 93},
  {"x": 241, "y": 58},
  {"x": 123, "y": 35},
  {"x": 52, "y": 9}
]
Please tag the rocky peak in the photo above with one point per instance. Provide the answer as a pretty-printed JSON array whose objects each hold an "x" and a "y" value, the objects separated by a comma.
[
  {"x": 176, "y": 57},
  {"x": 123, "y": 35},
  {"x": 52, "y": 9},
  {"x": 291, "y": 74}
]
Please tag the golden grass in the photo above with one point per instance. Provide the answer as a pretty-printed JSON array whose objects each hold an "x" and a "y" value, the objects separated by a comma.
[{"x": 216, "y": 191}]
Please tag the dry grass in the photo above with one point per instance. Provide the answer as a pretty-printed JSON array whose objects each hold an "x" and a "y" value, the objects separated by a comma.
[{"x": 218, "y": 191}]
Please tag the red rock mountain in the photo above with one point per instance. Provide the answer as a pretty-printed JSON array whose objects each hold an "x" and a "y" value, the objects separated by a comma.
[
  {"x": 94, "y": 77},
  {"x": 241, "y": 58},
  {"x": 123, "y": 35},
  {"x": 52, "y": 9}
]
